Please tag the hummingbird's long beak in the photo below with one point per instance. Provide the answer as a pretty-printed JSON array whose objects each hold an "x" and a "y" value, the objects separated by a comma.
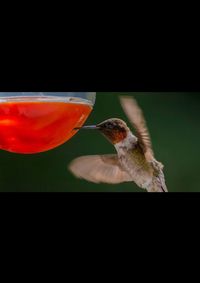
[{"x": 93, "y": 127}]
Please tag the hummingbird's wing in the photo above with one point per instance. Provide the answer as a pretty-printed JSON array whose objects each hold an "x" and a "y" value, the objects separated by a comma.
[
  {"x": 135, "y": 115},
  {"x": 99, "y": 169}
]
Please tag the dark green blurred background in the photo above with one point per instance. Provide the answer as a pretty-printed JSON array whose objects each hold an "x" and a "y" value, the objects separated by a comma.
[{"x": 174, "y": 123}]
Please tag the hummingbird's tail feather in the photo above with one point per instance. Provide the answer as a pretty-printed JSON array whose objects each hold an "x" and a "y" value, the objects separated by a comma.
[{"x": 158, "y": 184}]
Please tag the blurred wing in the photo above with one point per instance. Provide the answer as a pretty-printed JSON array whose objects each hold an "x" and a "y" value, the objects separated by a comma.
[
  {"x": 99, "y": 169},
  {"x": 135, "y": 115}
]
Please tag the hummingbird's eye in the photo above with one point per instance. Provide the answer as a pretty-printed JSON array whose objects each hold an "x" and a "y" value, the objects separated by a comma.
[{"x": 109, "y": 125}]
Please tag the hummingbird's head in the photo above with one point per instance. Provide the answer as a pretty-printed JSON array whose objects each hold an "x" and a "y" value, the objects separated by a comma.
[{"x": 115, "y": 130}]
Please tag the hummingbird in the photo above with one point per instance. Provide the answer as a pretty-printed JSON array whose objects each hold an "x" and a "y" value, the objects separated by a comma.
[{"x": 134, "y": 160}]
